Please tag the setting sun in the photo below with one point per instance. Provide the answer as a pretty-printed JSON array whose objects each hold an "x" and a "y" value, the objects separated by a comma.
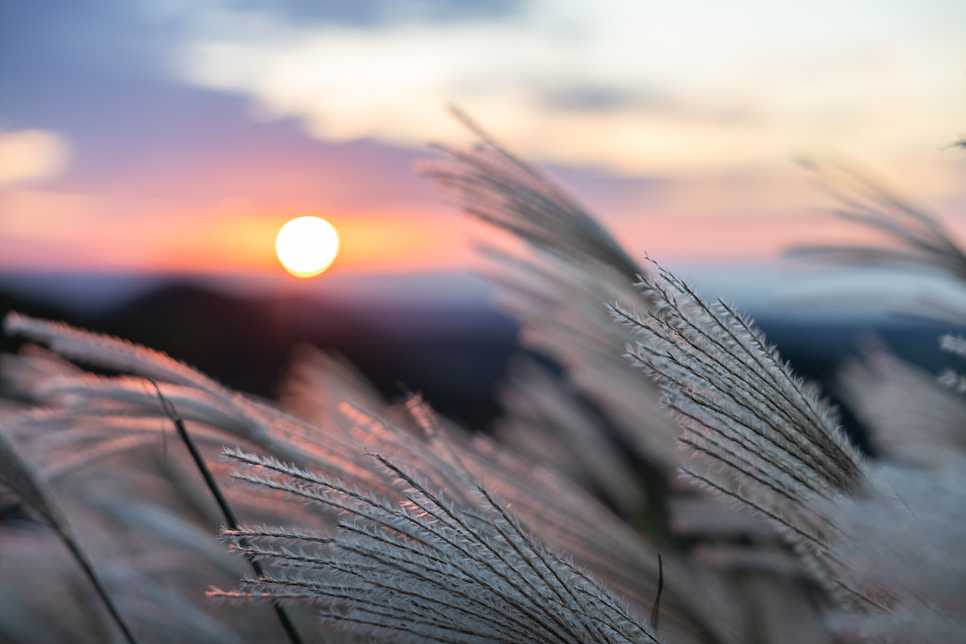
[{"x": 306, "y": 246}]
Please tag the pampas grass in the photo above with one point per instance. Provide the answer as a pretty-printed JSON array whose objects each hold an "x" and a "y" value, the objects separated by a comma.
[{"x": 677, "y": 482}]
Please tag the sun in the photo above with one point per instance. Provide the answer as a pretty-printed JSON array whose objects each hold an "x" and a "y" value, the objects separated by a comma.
[{"x": 306, "y": 246}]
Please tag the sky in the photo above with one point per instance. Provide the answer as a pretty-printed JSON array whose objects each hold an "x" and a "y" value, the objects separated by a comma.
[{"x": 170, "y": 136}]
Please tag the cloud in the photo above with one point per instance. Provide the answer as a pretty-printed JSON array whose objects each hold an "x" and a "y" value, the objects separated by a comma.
[
  {"x": 356, "y": 13},
  {"x": 31, "y": 155},
  {"x": 590, "y": 98},
  {"x": 660, "y": 87}
]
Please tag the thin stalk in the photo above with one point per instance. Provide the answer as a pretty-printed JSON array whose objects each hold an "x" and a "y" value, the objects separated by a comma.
[
  {"x": 35, "y": 492},
  {"x": 85, "y": 565},
  {"x": 655, "y": 609},
  {"x": 168, "y": 408}
]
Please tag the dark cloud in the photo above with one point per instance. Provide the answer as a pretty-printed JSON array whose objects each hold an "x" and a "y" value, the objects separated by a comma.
[
  {"x": 377, "y": 12},
  {"x": 587, "y": 98},
  {"x": 603, "y": 98},
  {"x": 583, "y": 97}
]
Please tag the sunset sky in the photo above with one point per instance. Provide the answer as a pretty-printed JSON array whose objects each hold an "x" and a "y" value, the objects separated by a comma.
[{"x": 177, "y": 137}]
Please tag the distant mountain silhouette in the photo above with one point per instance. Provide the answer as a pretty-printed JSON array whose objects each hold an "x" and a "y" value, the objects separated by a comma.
[{"x": 453, "y": 355}]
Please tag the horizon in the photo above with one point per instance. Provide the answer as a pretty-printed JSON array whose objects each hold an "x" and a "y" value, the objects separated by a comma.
[{"x": 794, "y": 291}]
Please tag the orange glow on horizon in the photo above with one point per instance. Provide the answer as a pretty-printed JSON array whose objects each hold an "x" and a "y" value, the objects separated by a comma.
[
  {"x": 742, "y": 217},
  {"x": 231, "y": 237},
  {"x": 397, "y": 242}
]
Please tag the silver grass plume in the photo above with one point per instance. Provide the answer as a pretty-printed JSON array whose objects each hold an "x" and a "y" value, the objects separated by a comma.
[
  {"x": 763, "y": 438},
  {"x": 910, "y": 419},
  {"x": 953, "y": 344},
  {"x": 559, "y": 292},
  {"x": 428, "y": 569},
  {"x": 951, "y": 378},
  {"x": 884, "y": 541},
  {"x": 728, "y": 384},
  {"x": 908, "y": 237},
  {"x": 498, "y": 187},
  {"x": 106, "y": 351},
  {"x": 902, "y": 544},
  {"x": 544, "y": 420},
  {"x": 913, "y": 237}
]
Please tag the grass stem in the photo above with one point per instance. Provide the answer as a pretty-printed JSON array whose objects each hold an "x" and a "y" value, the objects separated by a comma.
[{"x": 168, "y": 408}]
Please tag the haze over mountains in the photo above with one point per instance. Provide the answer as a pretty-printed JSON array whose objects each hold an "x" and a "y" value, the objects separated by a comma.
[{"x": 441, "y": 336}]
